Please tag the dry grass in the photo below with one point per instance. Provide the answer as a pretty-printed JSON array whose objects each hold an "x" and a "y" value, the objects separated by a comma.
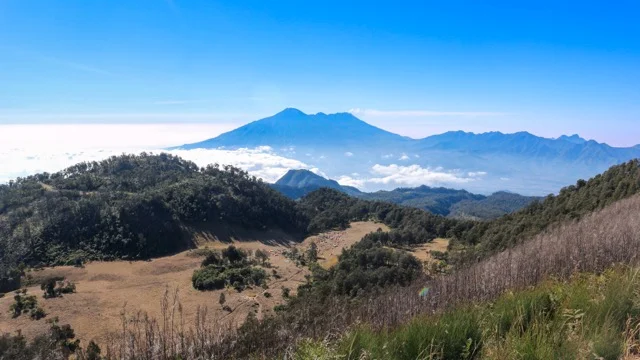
[
  {"x": 330, "y": 244},
  {"x": 105, "y": 289},
  {"x": 423, "y": 251}
]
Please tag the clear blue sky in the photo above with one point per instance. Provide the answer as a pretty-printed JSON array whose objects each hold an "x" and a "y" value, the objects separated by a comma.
[{"x": 412, "y": 67}]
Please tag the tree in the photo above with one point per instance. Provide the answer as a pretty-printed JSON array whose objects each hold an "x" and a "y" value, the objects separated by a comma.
[
  {"x": 233, "y": 254},
  {"x": 93, "y": 351},
  {"x": 261, "y": 255},
  {"x": 312, "y": 252},
  {"x": 49, "y": 287}
]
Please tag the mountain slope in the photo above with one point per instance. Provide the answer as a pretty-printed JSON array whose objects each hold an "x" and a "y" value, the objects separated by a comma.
[
  {"x": 298, "y": 183},
  {"x": 573, "y": 202},
  {"x": 130, "y": 207},
  {"x": 442, "y": 201},
  {"x": 303, "y": 178},
  {"x": 292, "y": 127},
  {"x": 342, "y": 145}
]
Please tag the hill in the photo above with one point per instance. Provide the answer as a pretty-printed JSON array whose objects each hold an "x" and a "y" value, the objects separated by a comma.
[
  {"x": 572, "y": 203},
  {"x": 130, "y": 207},
  {"x": 297, "y": 183},
  {"x": 442, "y": 201},
  {"x": 342, "y": 145}
]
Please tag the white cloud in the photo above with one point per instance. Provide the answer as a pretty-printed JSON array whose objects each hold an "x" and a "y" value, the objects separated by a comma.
[
  {"x": 261, "y": 162},
  {"x": 476, "y": 173},
  {"x": 404, "y": 157},
  {"x": 420, "y": 113},
  {"x": 387, "y": 156},
  {"x": 348, "y": 154},
  {"x": 411, "y": 175}
]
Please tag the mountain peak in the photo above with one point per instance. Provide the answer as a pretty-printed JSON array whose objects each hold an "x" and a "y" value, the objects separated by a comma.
[
  {"x": 293, "y": 128},
  {"x": 290, "y": 112},
  {"x": 575, "y": 138}
]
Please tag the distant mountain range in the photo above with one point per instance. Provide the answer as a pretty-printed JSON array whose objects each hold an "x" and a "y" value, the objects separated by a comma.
[
  {"x": 347, "y": 148},
  {"x": 447, "y": 202}
]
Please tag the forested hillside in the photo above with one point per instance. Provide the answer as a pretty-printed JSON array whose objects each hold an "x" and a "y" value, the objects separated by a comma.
[
  {"x": 572, "y": 203},
  {"x": 454, "y": 203},
  {"x": 130, "y": 207}
]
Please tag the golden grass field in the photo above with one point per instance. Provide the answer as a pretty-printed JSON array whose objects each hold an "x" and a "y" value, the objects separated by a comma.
[
  {"x": 105, "y": 289},
  {"x": 423, "y": 251}
]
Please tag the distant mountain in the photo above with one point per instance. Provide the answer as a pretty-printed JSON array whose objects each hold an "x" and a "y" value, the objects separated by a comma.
[
  {"x": 292, "y": 127},
  {"x": 303, "y": 178},
  {"x": 298, "y": 183},
  {"x": 442, "y": 201},
  {"x": 576, "y": 139},
  {"x": 343, "y": 145}
]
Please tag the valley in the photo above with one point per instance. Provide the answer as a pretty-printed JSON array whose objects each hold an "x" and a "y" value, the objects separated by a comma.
[{"x": 107, "y": 289}]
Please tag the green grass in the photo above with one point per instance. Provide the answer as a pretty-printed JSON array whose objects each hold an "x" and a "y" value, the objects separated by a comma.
[{"x": 585, "y": 318}]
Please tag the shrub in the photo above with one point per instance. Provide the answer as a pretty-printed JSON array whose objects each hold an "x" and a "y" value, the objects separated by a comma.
[
  {"x": 54, "y": 287},
  {"x": 37, "y": 313},
  {"x": 233, "y": 254},
  {"x": 286, "y": 292},
  {"x": 213, "y": 258},
  {"x": 261, "y": 255},
  {"x": 214, "y": 278},
  {"x": 93, "y": 351},
  {"x": 23, "y": 303}
]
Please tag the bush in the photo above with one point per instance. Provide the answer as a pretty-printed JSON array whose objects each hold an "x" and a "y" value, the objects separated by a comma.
[
  {"x": 37, "y": 313},
  {"x": 23, "y": 304},
  {"x": 286, "y": 292},
  {"x": 213, "y": 258},
  {"x": 55, "y": 287},
  {"x": 214, "y": 278},
  {"x": 262, "y": 256},
  {"x": 233, "y": 254}
]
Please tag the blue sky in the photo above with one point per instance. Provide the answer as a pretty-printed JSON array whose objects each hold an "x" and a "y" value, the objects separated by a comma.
[{"x": 416, "y": 68}]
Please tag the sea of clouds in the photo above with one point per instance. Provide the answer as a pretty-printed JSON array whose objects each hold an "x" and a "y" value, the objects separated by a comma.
[{"x": 31, "y": 149}]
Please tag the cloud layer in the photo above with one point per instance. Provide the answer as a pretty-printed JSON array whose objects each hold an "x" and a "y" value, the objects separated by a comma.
[
  {"x": 410, "y": 175},
  {"x": 261, "y": 162}
]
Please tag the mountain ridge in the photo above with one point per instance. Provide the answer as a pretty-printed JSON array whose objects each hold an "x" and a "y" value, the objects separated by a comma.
[
  {"x": 296, "y": 184},
  {"x": 341, "y": 145}
]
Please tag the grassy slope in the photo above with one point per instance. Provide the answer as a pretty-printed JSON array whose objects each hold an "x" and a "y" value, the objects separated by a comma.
[
  {"x": 590, "y": 316},
  {"x": 571, "y": 317}
]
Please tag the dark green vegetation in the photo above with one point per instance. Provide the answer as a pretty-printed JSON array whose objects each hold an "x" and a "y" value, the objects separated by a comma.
[
  {"x": 373, "y": 283},
  {"x": 231, "y": 267},
  {"x": 592, "y": 316},
  {"x": 331, "y": 209},
  {"x": 26, "y": 304},
  {"x": 129, "y": 207},
  {"x": 56, "y": 287},
  {"x": 58, "y": 343},
  {"x": 572, "y": 203},
  {"x": 454, "y": 203},
  {"x": 441, "y": 201},
  {"x": 365, "y": 267}
]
